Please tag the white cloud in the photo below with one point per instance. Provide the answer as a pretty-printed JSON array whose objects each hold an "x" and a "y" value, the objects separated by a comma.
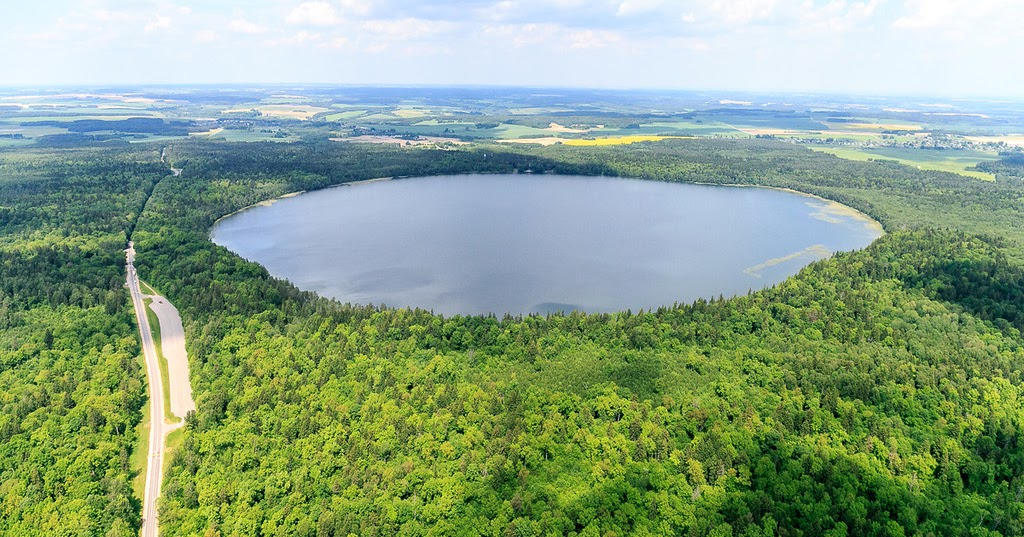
[
  {"x": 780, "y": 18},
  {"x": 741, "y": 12},
  {"x": 838, "y": 15},
  {"x": 314, "y": 14},
  {"x": 633, "y": 7},
  {"x": 104, "y": 22},
  {"x": 406, "y": 28},
  {"x": 927, "y": 14},
  {"x": 299, "y": 38},
  {"x": 355, "y": 7},
  {"x": 243, "y": 26},
  {"x": 159, "y": 22},
  {"x": 523, "y": 35},
  {"x": 207, "y": 36},
  {"x": 592, "y": 39},
  {"x": 337, "y": 42},
  {"x": 546, "y": 36},
  {"x": 63, "y": 30},
  {"x": 885, "y": 44},
  {"x": 106, "y": 15},
  {"x": 694, "y": 44},
  {"x": 979, "y": 28},
  {"x": 502, "y": 10}
]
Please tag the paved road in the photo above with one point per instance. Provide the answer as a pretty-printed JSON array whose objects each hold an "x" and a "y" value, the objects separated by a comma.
[
  {"x": 159, "y": 428},
  {"x": 156, "y": 398},
  {"x": 172, "y": 343},
  {"x": 173, "y": 347}
]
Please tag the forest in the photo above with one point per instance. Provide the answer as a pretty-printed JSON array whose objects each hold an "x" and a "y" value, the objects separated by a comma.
[
  {"x": 71, "y": 386},
  {"x": 874, "y": 393}
]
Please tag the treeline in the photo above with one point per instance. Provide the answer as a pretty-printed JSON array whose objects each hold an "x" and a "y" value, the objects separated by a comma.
[
  {"x": 1009, "y": 168},
  {"x": 898, "y": 196},
  {"x": 873, "y": 394},
  {"x": 71, "y": 387},
  {"x": 140, "y": 125}
]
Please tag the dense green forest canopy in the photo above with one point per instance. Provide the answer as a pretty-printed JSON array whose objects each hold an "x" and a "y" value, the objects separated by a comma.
[
  {"x": 71, "y": 388},
  {"x": 875, "y": 393}
]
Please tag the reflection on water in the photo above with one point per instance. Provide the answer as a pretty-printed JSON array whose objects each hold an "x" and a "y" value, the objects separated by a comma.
[{"x": 521, "y": 243}]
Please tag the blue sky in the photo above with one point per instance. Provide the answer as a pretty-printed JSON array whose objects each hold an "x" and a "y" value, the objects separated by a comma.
[{"x": 938, "y": 47}]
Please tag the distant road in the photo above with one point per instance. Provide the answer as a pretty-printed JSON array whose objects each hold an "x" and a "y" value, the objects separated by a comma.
[{"x": 163, "y": 159}]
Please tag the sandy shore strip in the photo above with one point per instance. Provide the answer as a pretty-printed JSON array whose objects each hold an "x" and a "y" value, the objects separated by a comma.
[
  {"x": 831, "y": 206},
  {"x": 264, "y": 203},
  {"x": 362, "y": 182},
  {"x": 833, "y": 212},
  {"x": 271, "y": 201}
]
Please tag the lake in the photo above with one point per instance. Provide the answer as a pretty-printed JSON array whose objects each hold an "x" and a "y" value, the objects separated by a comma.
[{"x": 477, "y": 244}]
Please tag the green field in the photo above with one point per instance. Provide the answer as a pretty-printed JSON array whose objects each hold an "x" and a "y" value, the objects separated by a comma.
[
  {"x": 348, "y": 114},
  {"x": 947, "y": 160},
  {"x": 29, "y": 131},
  {"x": 513, "y": 131},
  {"x": 67, "y": 116},
  {"x": 234, "y": 135},
  {"x": 672, "y": 128},
  {"x": 13, "y": 142},
  {"x": 149, "y": 138}
]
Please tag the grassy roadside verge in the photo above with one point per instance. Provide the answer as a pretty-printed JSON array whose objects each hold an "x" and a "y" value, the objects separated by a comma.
[
  {"x": 154, "y": 328},
  {"x": 139, "y": 454},
  {"x": 146, "y": 288},
  {"x": 171, "y": 445}
]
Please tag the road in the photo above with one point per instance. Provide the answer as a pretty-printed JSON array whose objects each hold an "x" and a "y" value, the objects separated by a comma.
[
  {"x": 173, "y": 347},
  {"x": 180, "y": 387},
  {"x": 172, "y": 343},
  {"x": 156, "y": 399},
  {"x": 163, "y": 159}
]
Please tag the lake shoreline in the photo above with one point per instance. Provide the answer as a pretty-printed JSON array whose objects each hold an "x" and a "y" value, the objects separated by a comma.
[
  {"x": 507, "y": 260},
  {"x": 832, "y": 205},
  {"x": 270, "y": 201}
]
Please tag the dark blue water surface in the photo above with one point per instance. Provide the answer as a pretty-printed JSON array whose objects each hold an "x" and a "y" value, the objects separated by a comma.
[{"x": 526, "y": 243}]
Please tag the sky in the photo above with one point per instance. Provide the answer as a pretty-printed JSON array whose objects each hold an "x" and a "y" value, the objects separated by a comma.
[{"x": 887, "y": 47}]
